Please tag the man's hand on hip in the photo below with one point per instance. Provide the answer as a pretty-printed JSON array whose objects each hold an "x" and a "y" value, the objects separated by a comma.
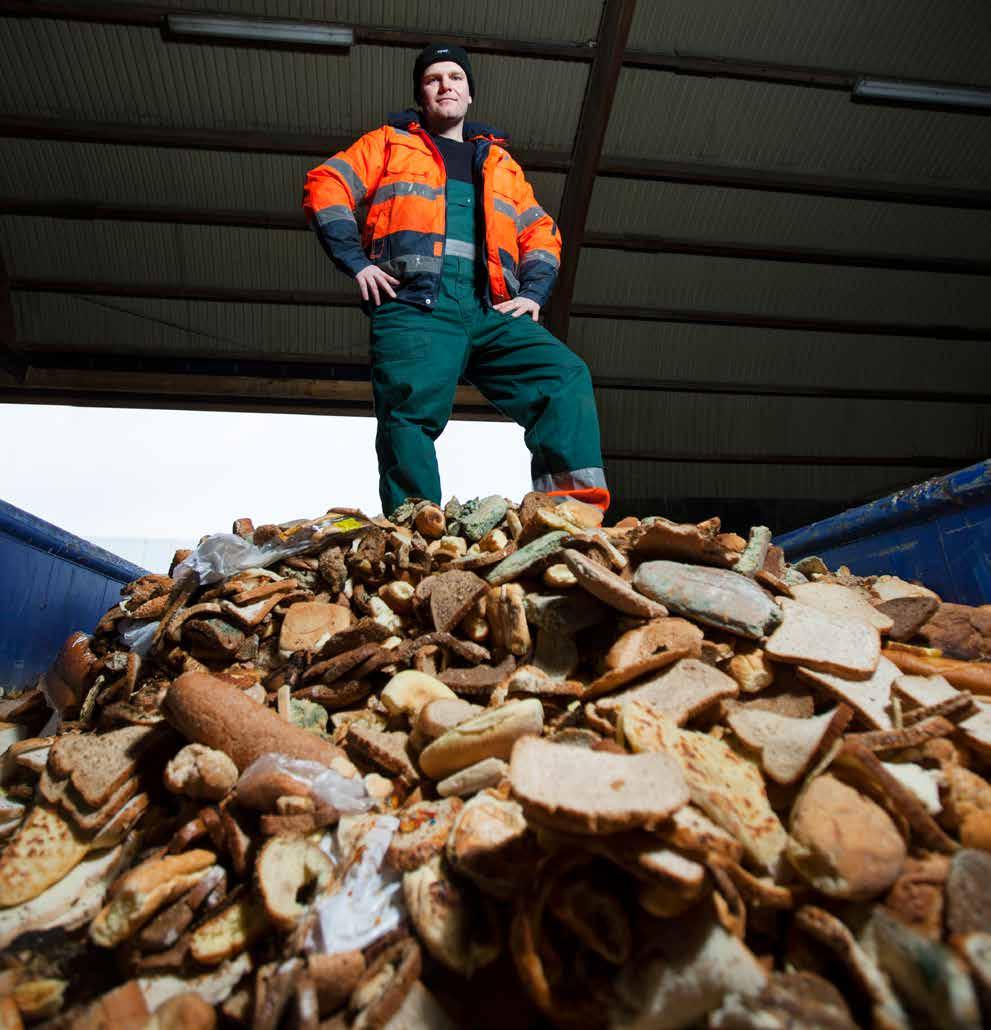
[
  {"x": 519, "y": 306},
  {"x": 371, "y": 280}
]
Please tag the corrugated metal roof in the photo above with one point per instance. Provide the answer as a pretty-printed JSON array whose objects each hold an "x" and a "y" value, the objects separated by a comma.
[
  {"x": 908, "y": 38},
  {"x": 773, "y": 288},
  {"x": 747, "y": 216},
  {"x": 122, "y": 74},
  {"x": 573, "y": 20},
  {"x": 192, "y": 329},
  {"x": 666, "y": 352},
  {"x": 166, "y": 177},
  {"x": 704, "y": 424},
  {"x": 188, "y": 255},
  {"x": 759, "y": 124}
]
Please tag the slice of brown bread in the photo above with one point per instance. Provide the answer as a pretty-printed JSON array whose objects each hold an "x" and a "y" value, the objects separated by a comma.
[
  {"x": 86, "y": 817},
  {"x": 451, "y": 597},
  {"x": 587, "y": 791},
  {"x": 98, "y": 764}
]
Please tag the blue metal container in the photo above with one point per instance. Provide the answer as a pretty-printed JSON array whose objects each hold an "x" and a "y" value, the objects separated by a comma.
[
  {"x": 938, "y": 533},
  {"x": 53, "y": 583}
]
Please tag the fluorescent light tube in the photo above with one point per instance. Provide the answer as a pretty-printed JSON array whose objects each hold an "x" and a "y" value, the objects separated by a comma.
[
  {"x": 922, "y": 93},
  {"x": 250, "y": 30}
]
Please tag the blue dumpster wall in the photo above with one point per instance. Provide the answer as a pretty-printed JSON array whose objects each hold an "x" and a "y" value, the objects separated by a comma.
[
  {"x": 53, "y": 583},
  {"x": 938, "y": 532}
]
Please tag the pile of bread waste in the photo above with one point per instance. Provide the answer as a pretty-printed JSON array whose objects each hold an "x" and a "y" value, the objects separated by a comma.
[{"x": 502, "y": 766}]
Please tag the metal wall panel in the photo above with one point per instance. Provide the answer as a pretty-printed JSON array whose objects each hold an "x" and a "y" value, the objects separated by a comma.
[
  {"x": 773, "y": 288},
  {"x": 514, "y": 19},
  {"x": 112, "y": 73},
  {"x": 712, "y": 213},
  {"x": 645, "y": 351},
  {"x": 907, "y": 38},
  {"x": 688, "y": 423},
  {"x": 192, "y": 329},
  {"x": 759, "y": 124}
]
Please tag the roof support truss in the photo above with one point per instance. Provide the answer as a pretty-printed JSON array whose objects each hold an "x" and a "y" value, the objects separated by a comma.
[{"x": 617, "y": 16}]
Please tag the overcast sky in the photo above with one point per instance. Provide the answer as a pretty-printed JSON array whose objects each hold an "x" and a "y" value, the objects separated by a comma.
[{"x": 122, "y": 476}]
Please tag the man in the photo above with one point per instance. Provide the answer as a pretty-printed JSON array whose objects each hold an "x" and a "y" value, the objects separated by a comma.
[{"x": 454, "y": 259}]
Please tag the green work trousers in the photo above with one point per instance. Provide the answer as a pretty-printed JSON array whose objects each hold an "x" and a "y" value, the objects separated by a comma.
[{"x": 417, "y": 358}]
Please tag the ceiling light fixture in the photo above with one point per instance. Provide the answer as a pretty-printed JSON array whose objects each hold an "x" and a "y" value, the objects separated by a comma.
[
  {"x": 932, "y": 94},
  {"x": 259, "y": 30}
]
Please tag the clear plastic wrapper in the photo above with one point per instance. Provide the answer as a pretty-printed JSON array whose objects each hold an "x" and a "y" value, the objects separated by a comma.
[
  {"x": 221, "y": 555},
  {"x": 137, "y": 634},
  {"x": 369, "y": 902},
  {"x": 328, "y": 788}
]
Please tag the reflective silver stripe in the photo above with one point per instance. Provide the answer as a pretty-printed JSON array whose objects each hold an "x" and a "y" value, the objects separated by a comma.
[
  {"x": 350, "y": 176},
  {"x": 576, "y": 479},
  {"x": 401, "y": 132},
  {"x": 511, "y": 281},
  {"x": 335, "y": 213},
  {"x": 412, "y": 264},
  {"x": 460, "y": 249},
  {"x": 406, "y": 188},
  {"x": 505, "y": 208},
  {"x": 540, "y": 255},
  {"x": 531, "y": 215}
]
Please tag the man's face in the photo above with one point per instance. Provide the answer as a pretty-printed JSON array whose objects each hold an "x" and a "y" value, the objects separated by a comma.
[{"x": 444, "y": 93}]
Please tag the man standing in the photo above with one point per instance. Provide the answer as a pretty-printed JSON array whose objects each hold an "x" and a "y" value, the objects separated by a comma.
[{"x": 454, "y": 259}]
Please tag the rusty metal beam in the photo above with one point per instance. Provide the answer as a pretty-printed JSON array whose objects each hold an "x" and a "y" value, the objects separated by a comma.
[
  {"x": 600, "y": 91},
  {"x": 76, "y": 210}
]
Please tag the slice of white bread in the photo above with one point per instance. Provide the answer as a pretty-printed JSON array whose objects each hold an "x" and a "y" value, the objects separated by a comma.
[
  {"x": 824, "y": 641},
  {"x": 869, "y": 698},
  {"x": 841, "y": 600},
  {"x": 585, "y": 791},
  {"x": 787, "y": 745}
]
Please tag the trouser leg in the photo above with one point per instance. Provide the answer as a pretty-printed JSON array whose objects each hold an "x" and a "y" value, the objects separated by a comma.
[
  {"x": 543, "y": 386},
  {"x": 417, "y": 357}
]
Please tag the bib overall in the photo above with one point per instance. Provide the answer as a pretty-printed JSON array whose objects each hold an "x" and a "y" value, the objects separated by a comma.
[{"x": 418, "y": 356}]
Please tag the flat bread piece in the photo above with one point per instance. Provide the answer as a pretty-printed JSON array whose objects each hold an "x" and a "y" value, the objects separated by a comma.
[
  {"x": 727, "y": 787},
  {"x": 584, "y": 791},
  {"x": 824, "y": 641},
  {"x": 43, "y": 850},
  {"x": 787, "y": 746},
  {"x": 868, "y": 698}
]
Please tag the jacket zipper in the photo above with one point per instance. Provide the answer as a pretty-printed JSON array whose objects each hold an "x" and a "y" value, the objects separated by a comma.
[{"x": 443, "y": 168}]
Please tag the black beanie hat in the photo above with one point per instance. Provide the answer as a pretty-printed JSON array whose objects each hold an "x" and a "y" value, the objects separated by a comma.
[{"x": 441, "y": 52}]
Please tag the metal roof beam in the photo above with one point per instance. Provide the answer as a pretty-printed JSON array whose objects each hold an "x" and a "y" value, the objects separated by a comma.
[
  {"x": 68, "y": 355},
  {"x": 692, "y": 172},
  {"x": 77, "y": 210},
  {"x": 600, "y": 91},
  {"x": 332, "y": 298},
  {"x": 11, "y": 365}
]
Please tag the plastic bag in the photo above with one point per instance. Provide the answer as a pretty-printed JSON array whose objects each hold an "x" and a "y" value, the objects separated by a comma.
[
  {"x": 369, "y": 902},
  {"x": 327, "y": 787},
  {"x": 137, "y": 634},
  {"x": 223, "y": 554}
]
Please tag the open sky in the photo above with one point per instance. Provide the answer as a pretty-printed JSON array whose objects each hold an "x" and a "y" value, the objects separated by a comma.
[{"x": 142, "y": 483}]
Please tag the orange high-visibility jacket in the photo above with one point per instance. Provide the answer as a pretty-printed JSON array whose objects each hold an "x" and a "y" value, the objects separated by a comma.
[{"x": 382, "y": 202}]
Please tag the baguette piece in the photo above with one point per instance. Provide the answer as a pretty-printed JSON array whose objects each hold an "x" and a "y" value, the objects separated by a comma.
[
  {"x": 144, "y": 890},
  {"x": 206, "y": 710},
  {"x": 582, "y": 791},
  {"x": 489, "y": 735}
]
